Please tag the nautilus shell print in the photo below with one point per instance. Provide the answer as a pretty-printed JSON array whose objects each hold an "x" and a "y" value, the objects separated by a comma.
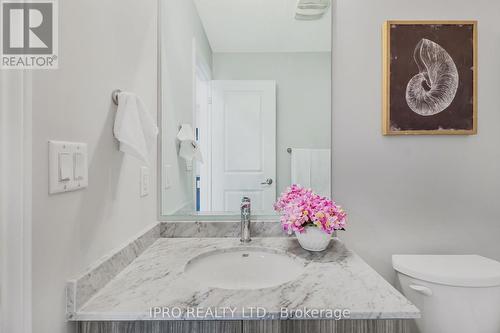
[{"x": 433, "y": 89}]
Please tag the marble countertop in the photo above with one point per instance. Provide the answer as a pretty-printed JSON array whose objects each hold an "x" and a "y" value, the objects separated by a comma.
[{"x": 334, "y": 280}]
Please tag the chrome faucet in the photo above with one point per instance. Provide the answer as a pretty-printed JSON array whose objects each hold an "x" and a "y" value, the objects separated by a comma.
[{"x": 245, "y": 220}]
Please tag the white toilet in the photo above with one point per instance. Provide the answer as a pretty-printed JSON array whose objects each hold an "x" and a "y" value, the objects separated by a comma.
[{"x": 455, "y": 293}]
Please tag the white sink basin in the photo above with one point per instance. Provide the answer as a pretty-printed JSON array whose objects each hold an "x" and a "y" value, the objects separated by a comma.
[{"x": 244, "y": 268}]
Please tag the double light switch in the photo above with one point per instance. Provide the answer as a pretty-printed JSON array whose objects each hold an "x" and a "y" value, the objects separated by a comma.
[{"x": 68, "y": 166}]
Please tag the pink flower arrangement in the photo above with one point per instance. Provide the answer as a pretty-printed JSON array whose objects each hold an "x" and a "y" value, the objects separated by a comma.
[{"x": 301, "y": 207}]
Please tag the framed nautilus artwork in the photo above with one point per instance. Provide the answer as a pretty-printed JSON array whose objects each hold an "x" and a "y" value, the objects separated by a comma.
[{"x": 430, "y": 77}]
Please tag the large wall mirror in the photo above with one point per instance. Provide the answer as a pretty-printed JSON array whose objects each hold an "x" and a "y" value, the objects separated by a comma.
[{"x": 245, "y": 103}]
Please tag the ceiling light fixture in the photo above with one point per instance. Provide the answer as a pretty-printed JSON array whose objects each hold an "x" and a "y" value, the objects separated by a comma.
[{"x": 308, "y": 10}]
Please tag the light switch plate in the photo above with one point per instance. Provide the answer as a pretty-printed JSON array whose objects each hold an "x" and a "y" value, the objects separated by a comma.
[
  {"x": 68, "y": 166},
  {"x": 166, "y": 176}
]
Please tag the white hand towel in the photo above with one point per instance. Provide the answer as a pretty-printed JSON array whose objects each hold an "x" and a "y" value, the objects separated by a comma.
[
  {"x": 134, "y": 127},
  {"x": 189, "y": 148},
  {"x": 321, "y": 172},
  {"x": 301, "y": 167},
  {"x": 311, "y": 168},
  {"x": 186, "y": 133}
]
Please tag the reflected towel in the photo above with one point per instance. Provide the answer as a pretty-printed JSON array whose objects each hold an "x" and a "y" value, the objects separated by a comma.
[
  {"x": 134, "y": 127},
  {"x": 312, "y": 168}
]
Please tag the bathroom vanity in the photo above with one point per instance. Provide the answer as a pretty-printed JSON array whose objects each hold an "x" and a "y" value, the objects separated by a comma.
[{"x": 268, "y": 285}]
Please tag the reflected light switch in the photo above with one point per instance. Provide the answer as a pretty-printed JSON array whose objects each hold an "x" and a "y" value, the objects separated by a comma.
[
  {"x": 166, "y": 176},
  {"x": 65, "y": 167}
]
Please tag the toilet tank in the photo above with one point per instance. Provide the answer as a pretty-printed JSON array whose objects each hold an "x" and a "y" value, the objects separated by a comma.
[{"x": 455, "y": 294}]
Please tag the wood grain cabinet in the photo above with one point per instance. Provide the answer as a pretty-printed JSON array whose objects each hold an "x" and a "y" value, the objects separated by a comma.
[{"x": 265, "y": 326}]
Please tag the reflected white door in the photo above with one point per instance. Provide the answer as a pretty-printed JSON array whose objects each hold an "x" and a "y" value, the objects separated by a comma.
[{"x": 243, "y": 144}]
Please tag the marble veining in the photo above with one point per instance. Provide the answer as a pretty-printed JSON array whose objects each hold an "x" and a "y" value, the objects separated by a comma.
[
  {"x": 334, "y": 279},
  {"x": 81, "y": 289},
  {"x": 219, "y": 229}
]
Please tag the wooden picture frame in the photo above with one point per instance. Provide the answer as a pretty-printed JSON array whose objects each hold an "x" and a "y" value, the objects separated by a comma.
[{"x": 411, "y": 106}]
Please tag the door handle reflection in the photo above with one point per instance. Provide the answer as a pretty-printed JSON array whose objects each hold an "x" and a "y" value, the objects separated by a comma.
[{"x": 268, "y": 181}]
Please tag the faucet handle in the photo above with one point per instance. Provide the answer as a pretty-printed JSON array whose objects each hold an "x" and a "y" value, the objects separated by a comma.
[{"x": 245, "y": 202}]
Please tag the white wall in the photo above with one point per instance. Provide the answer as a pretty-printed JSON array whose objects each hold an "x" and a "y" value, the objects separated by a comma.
[
  {"x": 427, "y": 194},
  {"x": 104, "y": 45},
  {"x": 304, "y": 97},
  {"x": 181, "y": 29}
]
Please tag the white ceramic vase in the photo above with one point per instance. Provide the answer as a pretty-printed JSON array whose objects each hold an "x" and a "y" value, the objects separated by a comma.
[{"x": 313, "y": 239}]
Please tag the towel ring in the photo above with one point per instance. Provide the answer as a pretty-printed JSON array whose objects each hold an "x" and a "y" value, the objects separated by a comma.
[{"x": 114, "y": 96}]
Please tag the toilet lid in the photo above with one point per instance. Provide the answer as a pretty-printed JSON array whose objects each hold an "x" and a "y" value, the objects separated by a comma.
[{"x": 451, "y": 270}]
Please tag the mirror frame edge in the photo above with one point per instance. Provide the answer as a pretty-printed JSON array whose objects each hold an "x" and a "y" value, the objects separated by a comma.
[{"x": 221, "y": 217}]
